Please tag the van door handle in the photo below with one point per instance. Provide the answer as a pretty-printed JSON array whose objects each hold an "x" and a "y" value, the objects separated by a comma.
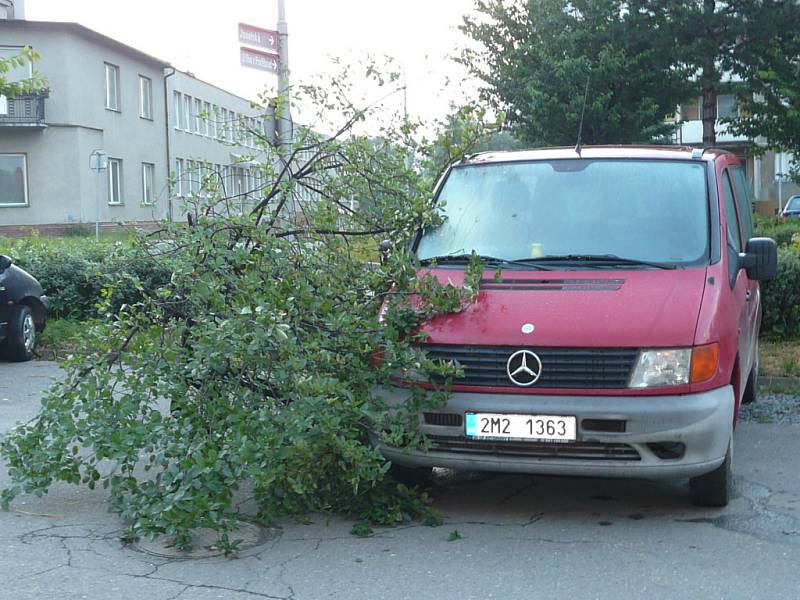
[{"x": 748, "y": 295}]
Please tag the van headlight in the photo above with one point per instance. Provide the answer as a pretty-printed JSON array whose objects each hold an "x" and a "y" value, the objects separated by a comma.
[{"x": 657, "y": 368}]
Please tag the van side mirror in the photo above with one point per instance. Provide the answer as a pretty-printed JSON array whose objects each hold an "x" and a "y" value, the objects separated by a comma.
[
  {"x": 760, "y": 259},
  {"x": 5, "y": 262}
]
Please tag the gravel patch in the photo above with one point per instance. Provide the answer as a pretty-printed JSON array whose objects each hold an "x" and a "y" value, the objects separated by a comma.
[{"x": 773, "y": 407}]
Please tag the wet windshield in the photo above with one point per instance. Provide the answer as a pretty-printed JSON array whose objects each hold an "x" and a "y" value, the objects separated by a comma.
[{"x": 643, "y": 210}]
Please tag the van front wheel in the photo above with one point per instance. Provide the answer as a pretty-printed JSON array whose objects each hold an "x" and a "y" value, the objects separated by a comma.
[
  {"x": 411, "y": 476},
  {"x": 714, "y": 489}
]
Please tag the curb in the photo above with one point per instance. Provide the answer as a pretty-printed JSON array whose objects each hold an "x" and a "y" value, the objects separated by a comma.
[{"x": 774, "y": 381}]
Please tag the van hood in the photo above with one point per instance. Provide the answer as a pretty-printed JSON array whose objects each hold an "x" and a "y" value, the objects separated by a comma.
[{"x": 592, "y": 308}]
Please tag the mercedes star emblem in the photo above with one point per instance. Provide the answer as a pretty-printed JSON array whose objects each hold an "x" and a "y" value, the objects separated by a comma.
[{"x": 524, "y": 368}]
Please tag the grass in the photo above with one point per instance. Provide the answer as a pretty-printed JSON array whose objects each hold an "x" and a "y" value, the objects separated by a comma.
[
  {"x": 61, "y": 338},
  {"x": 780, "y": 359}
]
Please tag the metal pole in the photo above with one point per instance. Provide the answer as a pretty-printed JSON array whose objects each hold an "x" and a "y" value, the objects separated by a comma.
[
  {"x": 284, "y": 123},
  {"x": 97, "y": 205}
]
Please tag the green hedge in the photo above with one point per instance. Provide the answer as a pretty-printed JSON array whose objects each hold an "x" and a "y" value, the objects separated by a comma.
[
  {"x": 76, "y": 272},
  {"x": 781, "y": 298},
  {"x": 780, "y": 230}
]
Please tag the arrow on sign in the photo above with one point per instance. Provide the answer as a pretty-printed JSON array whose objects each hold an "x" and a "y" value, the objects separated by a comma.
[
  {"x": 256, "y": 59},
  {"x": 256, "y": 36}
]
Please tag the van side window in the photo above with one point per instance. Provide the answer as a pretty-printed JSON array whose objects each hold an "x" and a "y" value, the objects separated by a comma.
[
  {"x": 734, "y": 236},
  {"x": 744, "y": 201}
]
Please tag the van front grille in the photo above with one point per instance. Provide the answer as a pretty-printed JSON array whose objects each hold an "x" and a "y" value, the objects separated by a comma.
[
  {"x": 567, "y": 450},
  {"x": 562, "y": 368}
]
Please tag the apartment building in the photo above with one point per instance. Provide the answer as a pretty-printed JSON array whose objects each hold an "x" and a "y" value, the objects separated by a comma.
[
  {"x": 162, "y": 130},
  {"x": 768, "y": 173}
]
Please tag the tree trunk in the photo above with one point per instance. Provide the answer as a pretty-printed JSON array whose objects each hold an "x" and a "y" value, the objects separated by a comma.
[
  {"x": 709, "y": 80},
  {"x": 709, "y": 114}
]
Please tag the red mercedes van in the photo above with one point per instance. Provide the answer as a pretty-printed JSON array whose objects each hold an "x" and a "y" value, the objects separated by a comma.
[{"x": 621, "y": 334}]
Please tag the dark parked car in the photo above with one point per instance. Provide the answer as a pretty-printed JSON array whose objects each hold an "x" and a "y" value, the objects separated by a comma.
[
  {"x": 792, "y": 208},
  {"x": 23, "y": 311}
]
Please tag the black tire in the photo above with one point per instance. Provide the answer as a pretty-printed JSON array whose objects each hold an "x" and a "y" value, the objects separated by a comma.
[
  {"x": 750, "y": 393},
  {"x": 21, "y": 338},
  {"x": 714, "y": 489},
  {"x": 411, "y": 476}
]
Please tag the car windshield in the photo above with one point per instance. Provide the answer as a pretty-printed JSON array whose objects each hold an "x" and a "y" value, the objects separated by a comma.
[
  {"x": 794, "y": 203},
  {"x": 643, "y": 210}
]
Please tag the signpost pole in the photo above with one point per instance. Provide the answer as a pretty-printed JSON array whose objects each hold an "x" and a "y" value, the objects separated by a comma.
[
  {"x": 284, "y": 122},
  {"x": 98, "y": 162}
]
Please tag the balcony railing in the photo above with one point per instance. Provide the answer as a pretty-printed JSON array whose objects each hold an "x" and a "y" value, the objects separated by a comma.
[{"x": 25, "y": 110}]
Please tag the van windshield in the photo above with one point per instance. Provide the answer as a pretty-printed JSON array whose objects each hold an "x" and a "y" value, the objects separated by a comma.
[{"x": 644, "y": 210}]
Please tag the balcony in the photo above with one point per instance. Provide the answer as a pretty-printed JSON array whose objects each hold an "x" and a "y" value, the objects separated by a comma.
[
  {"x": 691, "y": 132},
  {"x": 24, "y": 110}
]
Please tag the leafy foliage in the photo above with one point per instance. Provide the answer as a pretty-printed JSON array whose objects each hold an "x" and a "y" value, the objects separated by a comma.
[
  {"x": 251, "y": 368},
  {"x": 781, "y": 298},
  {"x": 536, "y": 56},
  {"x": 771, "y": 94},
  {"x": 77, "y": 274},
  {"x": 36, "y": 82}
]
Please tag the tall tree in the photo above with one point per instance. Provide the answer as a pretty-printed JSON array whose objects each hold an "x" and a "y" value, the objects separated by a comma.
[
  {"x": 769, "y": 68},
  {"x": 537, "y": 56}
]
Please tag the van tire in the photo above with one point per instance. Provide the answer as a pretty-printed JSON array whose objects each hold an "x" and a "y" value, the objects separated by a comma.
[
  {"x": 411, "y": 476},
  {"x": 21, "y": 339},
  {"x": 714, "y": 489},
  {"x": 750, "y": 393}
]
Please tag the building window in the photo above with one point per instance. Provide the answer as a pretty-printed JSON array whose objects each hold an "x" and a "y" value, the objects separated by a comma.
[
  {"x": 148, "y": 177},
  {"x": 223, "y": 125},
  {"x": 206, "y": 118},
  {"x": 690, "y": 111},
  {"x": 112, "y": 87},
  {"x": 114, "y": 181},
  {"x": 197, "y": 124},
  {"x": 727, "y": 106},
  {"x": 213, "y": 115},
  {"x": 13, "y": 180},
  {"x": 16, "y": 73},
  {"x": 179, "y": 173},
  {"x": 784, "y": 163},
  {"x": 177, "y": 109},
  {"x": 187, "y": 112},
  {"x": 234, "y": 129},
  {"x": 145, "y": 97},
  {"x": 191, "y": 186}
]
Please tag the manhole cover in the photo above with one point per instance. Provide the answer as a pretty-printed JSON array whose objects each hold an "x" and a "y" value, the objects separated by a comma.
[{"x": 205, "y": 542}]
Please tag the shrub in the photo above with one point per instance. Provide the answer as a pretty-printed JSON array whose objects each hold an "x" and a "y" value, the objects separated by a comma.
[
  {"x": 781, "y": 298},
  {"x": 78, "y": 273},
  {"x": 780, "y": 230}
]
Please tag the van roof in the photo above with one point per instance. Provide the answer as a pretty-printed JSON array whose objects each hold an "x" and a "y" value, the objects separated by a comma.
[{"x": 650, "y": 152}]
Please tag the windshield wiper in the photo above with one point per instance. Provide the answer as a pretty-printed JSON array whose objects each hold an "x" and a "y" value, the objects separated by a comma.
[
  {"x": 489, "y": 260},
  {"x": 599, "y": 259}
]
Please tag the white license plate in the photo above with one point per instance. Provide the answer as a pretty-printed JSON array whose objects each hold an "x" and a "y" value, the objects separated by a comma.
[{"x": 520, "y": 427}]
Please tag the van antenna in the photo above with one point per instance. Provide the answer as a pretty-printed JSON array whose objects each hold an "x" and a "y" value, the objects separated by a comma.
[{"x": 583, "y": 110}]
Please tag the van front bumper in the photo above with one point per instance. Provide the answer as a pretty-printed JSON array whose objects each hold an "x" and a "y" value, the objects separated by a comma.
[{"x": 702, "y": 423}]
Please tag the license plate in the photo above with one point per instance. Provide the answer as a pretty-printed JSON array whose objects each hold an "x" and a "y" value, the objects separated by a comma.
[{"x": 520, "y": 427}]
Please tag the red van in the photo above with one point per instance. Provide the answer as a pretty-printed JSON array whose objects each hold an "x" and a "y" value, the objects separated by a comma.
[{"x": 616, "y": 329}]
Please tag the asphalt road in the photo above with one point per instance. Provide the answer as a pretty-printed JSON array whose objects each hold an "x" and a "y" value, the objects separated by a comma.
[{"x": 521, "y": 537}]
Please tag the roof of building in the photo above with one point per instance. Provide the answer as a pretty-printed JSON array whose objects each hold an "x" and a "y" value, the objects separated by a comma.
[
  {"x": 590, "y": 152},
  {"x": 84, "y": 32}
]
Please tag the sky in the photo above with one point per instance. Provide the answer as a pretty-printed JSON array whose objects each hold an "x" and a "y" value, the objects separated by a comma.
[{"x": 200, "y": 36}]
